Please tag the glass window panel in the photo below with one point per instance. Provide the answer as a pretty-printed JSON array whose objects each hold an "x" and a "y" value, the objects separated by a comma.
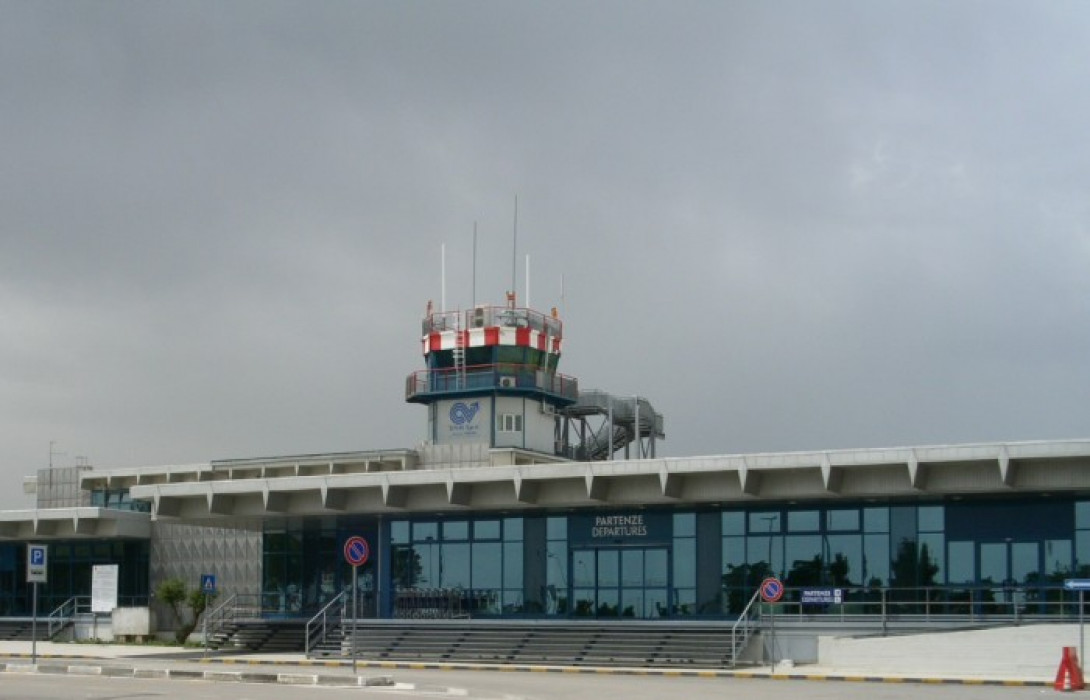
[
  {"x": 932, "y": 547},
  {"x": 684, "y": 524},
  {"x": 423, "y": 532},
  {"x": 583, "y": 602},
  {"x": 454, "y": 566},
  {"x": 512, "y": 601},
  {"x": 632, "y": 567},
  {"x": 803, "y": 556},
  {"x": 456, "y": 530},
  {"x": 931, "y": 519},
  {"x": 876, "y": 519},
  {"x": 844, "y": 560},
  {"x": 608, "y": 567},
  {"x": 803, "y": 521},
  {"x": 1057, "y": 557},
  {"x": 609, "y": 600},
  {"x": 762, "y": 549},
  {"x": 734, "y": 552},
  {"x": 1024, "y": 561},
  {"x": 841, "y": 519},
  {"x": 512, "y": 565},
  {"x": 406, "y": 566},
  {"x": 685, "y": 563},
  {"x": 1082, "y": 553},
  {"x": 655, "y": 603},
  {"x": 486, "y": 530},
  {"x": 556, "y": 528},
  {"x": 1082, "y": 515},
  {"x": 556, "y": 572},
  {"x": 632, "y": 602},
  {"x": 487, "y": 563},
  {"x": 876, "y": 560},
  {"x": 961, "y": 562},
  {"x": 993, "y": 562},
  {"x": 686, "y": 600},
  {"x": 582, "y": 565},
  {"x": 512, "y": 529},
  {"x": 427, "y": 559},
  {"x": 764, "y": 522},
  {"x": 655, "y": 568},
  {"x": 734, "y": 523}
]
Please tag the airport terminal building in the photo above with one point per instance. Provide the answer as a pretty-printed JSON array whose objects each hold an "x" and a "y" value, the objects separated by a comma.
[{"x": 531, "y": 498}]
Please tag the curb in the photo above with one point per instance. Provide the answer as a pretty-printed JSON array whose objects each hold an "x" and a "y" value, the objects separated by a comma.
[
  {"x": 297, "y": 678},
  {"x": 83, "y": 669}
]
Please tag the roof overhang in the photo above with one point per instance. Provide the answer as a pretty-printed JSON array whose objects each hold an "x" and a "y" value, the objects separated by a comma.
[
  {"x": 886, "y": 473},
  {"x": 47, "y": 524}
]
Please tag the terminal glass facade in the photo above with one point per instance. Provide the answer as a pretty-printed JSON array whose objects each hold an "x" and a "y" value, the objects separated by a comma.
[
  {"x": 70, "y": 566},
  {"x": 651, "y": 563}
]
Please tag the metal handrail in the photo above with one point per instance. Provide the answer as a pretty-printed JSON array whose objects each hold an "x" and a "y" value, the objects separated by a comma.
[
  {"x": 218, "y": 617},
  {"x": 747, "y": 622},
  {"x": 531, "y": 378},
  {"x": 62, "y": 615},
  {"x": 320, "y": 622}
]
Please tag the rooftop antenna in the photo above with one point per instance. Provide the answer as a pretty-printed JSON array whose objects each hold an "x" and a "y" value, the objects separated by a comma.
[
  {"x": 443, "y": 277},
  {"x": 514, "y": 253},
  {"x": 526, "y": 303},
  {"x": 474, "y": 264}
]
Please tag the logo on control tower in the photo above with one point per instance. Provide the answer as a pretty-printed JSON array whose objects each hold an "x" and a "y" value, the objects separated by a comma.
[{"x": 462, "y": 413}]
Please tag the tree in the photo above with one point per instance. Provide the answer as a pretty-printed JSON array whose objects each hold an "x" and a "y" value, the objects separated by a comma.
[{"x": 174, "y": 593}]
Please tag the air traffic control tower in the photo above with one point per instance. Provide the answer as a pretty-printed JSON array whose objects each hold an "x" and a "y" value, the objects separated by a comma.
[{"x": 491, "y": 384}]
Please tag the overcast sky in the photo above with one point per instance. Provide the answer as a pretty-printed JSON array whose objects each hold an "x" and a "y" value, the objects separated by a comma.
[{"x": 790, "y": 225}]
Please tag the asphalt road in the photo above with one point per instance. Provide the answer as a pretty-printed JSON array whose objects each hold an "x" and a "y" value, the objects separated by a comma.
[{"x": 493, "y": 685}]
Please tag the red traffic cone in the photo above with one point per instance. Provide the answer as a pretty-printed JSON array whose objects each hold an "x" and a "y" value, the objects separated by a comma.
[{"x": 1069, "y": 674}]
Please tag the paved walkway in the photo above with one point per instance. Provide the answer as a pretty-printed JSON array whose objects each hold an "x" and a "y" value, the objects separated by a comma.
[{"x": 176, "y": 663}]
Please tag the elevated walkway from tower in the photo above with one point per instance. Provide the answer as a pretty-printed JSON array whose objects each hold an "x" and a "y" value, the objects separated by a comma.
[{"x": 600, "y": 424}]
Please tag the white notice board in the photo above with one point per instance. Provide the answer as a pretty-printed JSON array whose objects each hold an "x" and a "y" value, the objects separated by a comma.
[{"x": 103, "y": 588}]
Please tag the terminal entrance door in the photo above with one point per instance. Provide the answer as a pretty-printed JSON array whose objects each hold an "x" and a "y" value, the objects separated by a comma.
[
  {"x": 1007, "y": 566},
  {"x": 620, "y": 582}
]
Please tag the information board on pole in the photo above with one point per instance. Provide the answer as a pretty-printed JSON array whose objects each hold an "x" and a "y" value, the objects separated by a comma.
[
  {"x": 104, "y": 588},
  {"x": 37, "y": 563}
]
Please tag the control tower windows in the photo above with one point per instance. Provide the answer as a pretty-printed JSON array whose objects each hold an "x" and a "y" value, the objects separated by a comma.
[{"x": 509, "y": 423}]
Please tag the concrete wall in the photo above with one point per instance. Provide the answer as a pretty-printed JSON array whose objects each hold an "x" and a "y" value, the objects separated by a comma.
[{"x": 1027, "y": 651}]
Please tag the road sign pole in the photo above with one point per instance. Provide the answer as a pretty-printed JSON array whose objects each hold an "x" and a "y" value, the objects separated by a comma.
[
  {"x": 355, "y": 611},
  {"x": 34, "y": 629}
]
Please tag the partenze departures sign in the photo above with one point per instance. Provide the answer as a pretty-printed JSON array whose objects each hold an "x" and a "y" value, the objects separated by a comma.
[{"x": 620, "y": 528}]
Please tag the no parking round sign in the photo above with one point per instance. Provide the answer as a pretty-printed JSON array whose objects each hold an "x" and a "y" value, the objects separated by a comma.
[
  {"x": 771, "y": 590},
  {"x": 356, "y": 550}
]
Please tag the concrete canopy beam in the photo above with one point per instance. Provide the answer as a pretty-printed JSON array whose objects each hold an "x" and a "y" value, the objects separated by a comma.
[
  {"x": 917, "y": 473},
  {"x": 333, "y": 499},
  {"x": 597, "y": 487},
  {"x": 1006, "y": 468},
  {"x": 167, "y": 506},
  {"x": 672, "y": 484},
  {"x": 750, "y": 480},
  {"x": 526, "y": 491},
  {"x": 275, "y": 501},
  {"x": 220, "y": 504},
  {"x": 832, "y": 477},
  {"x": 394, "y": 496},
  {"x": 84, "y": 526},
  {"x": 459, "y": 494}
]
